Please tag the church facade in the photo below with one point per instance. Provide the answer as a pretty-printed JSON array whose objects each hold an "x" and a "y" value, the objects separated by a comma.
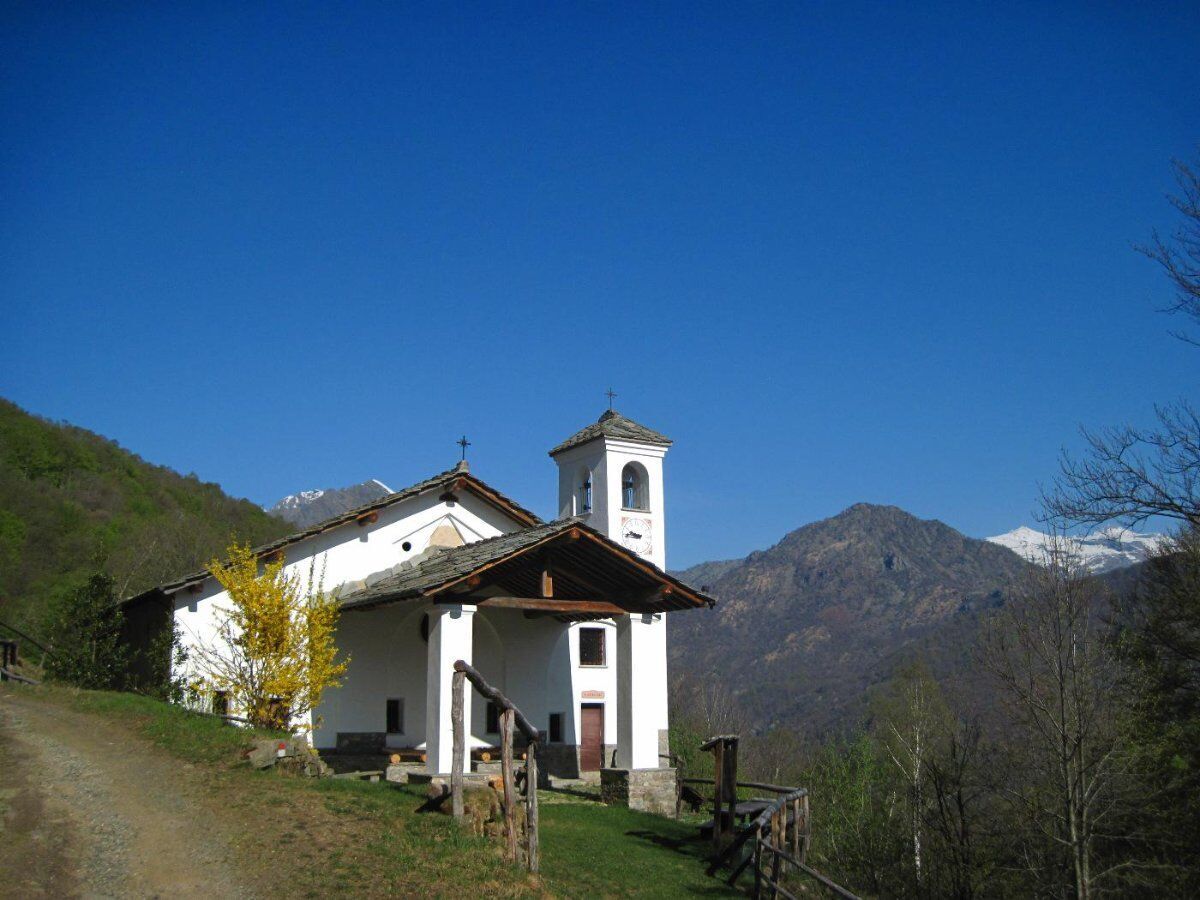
[{"x": 567, "y": 618}]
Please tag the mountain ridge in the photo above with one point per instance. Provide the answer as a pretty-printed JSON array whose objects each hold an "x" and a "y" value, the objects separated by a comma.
[
  {"x": 1098, "y": 552},
  {"x": 802, "y": 630},
  {"x": 307, "y": 508}
]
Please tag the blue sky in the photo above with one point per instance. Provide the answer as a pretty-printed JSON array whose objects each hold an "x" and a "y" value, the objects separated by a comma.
[{"x": 839, "y": 253}]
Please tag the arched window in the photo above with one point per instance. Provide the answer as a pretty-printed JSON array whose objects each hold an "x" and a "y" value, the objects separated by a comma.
[
  {"x": 633, "y": 487},
  {"x": 583, "y": 499}
]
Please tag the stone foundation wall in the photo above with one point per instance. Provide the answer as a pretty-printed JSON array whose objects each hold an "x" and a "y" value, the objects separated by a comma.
[
  {"x": 559, "y": 760},
  {"x": 650, "y": 790},
  {"x": 361, "y": 741}
]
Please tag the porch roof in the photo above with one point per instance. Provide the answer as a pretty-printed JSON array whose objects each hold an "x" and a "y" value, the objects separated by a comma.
[{"x": 564, "y": 568}]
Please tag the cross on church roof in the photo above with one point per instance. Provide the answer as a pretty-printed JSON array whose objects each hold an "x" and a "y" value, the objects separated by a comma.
[
  {"x": 464, "y": 443},
  {"x": 610, "y": 393}
]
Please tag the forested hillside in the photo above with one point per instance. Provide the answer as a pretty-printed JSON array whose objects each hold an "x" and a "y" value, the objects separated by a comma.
[{"x": 73, "y": 502}]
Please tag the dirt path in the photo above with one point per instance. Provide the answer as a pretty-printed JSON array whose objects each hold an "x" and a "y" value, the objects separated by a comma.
[{"x": 87, "y": 810}]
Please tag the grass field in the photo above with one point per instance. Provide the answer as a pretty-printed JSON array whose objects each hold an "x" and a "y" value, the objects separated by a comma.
[{"x": 314, "y": 837}]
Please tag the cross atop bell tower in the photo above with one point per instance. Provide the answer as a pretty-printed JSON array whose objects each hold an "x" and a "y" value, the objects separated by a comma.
[{"x": 611, "y": 474}]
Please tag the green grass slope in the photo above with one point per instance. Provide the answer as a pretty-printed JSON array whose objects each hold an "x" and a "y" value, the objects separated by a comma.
[
  {"x": 72, "y": 501},
  {"x": 339, "y": 837}
]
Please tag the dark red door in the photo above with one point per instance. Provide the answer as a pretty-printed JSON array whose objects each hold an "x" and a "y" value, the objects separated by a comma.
[{"x": 591, "y": 737}]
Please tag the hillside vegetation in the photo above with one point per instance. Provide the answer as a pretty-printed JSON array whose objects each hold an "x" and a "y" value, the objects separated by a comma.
[{"x": 73, "y": 502}]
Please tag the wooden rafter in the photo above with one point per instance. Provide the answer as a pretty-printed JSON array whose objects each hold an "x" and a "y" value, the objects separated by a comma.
[{"x": 542, "y": 604}]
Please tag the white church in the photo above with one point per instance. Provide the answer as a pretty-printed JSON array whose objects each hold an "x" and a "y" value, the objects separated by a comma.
[{"x": 567, "y": 618}]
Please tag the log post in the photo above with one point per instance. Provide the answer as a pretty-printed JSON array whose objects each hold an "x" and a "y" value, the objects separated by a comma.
[
  {"x": 531, "y": 808},
  {"x": 796, "y": 825},
  {"x": 718, "y": 797},
  {"x": 456, "y": 766},
  {"x": 758, "y": 862},
  {"x": 807, "y": 829},
  {"x": 506, "y": 766},
  {"x": 777, "y": 821}
]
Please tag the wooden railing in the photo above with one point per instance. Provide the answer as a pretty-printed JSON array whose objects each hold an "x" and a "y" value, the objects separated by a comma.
[
  {"x": 8, "y": 663},
  {"x": 780, "y": 833},
  {"x": 510, "y": 716},
  {"x": 781, "y": 838}
]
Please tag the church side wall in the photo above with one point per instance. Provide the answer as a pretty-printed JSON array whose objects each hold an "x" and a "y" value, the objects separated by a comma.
[
  {"x": 387, "y": 661},
  {"x": 347, "y": 553}
]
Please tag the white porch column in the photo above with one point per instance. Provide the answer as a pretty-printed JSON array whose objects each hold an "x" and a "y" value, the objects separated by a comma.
[
  {"x": 450, "y": 631},
  {"x": 638, "y": 714}
]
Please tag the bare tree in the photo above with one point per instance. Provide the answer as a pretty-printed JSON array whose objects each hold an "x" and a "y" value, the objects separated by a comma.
[
  {"x": 955, "y": 809},
  {"x": 1130, "y": 475},
  {"x": 1051, "y": 654},
  {"x": 1179, "y": 253},
  {"x": 911, "y": 717}
]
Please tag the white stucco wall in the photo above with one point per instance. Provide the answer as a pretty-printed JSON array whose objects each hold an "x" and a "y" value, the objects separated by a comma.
[
  {"x": 605, "y": 459},
  {"x": 348, "y": 553},
  {"x": 533, "y": 660}
]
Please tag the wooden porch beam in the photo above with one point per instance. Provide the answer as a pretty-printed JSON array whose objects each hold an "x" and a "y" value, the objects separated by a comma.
[{"x": 542, "y": 604}]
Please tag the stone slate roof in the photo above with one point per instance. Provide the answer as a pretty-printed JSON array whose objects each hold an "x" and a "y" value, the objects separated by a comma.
[
  {"x": 440, "y": 567},
  {"x": 613, "y": 425},
  {"x": 445, "y": 480}
]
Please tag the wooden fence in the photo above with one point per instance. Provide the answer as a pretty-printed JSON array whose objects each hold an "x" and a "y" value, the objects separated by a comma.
[
  {"x": 8, "y": 662},
  {"x": 779, "y": 836},
  {"x": 781, "y": 839},
  {"x": 510, "y": 716}
]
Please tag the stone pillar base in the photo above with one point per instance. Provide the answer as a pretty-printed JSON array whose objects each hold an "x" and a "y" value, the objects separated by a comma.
[{"x": 650, "y": 790}]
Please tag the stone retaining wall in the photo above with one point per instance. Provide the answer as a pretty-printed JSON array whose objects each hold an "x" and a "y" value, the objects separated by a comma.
[{"x": 650, "y": 790}]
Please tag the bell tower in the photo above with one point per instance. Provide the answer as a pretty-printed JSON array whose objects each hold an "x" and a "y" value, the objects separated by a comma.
[{"x": 611, "y": 474}]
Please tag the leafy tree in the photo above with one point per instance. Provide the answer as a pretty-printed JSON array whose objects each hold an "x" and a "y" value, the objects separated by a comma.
[
  {"x": 859, "y": 838},
  {"x": 84, "y": 638},
  {"x": 274, "y": 650}
]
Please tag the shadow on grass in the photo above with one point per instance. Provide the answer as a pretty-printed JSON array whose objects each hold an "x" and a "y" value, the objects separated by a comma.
[
  {"x": 573, "y": 792},
  {"x": 684, "y": 846}
]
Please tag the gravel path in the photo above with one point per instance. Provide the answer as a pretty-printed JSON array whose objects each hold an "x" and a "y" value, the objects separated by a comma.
[{"x": 105, "y": 814}]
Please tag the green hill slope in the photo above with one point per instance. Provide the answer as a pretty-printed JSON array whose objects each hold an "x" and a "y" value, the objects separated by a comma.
[{"x": 72, "y": 501}]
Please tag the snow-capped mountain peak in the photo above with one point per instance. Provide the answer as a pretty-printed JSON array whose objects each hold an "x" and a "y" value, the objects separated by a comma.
[
  {"x": 295, "y": 501},
  {"x": 307, "y": 508},
  {"x": 1101, "y": 551}
]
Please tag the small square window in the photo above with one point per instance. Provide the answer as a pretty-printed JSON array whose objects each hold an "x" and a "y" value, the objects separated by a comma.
[
  {"x": 493, "y": 718},
  {"x": 556, "y": 728},
  {"x": 591, "y": 646},
  {"x": 220, "y": 703},
  {"x": 395, "y": 715}
]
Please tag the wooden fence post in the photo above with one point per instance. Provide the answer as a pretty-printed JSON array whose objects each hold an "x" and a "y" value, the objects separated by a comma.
[
  {"x": 506, "y": 766},
  {"x": 777, "y": 821},
  {"x": 807, "y": 829},
  {"x": 531, "y": 808},
  {"x": 758, "y": 862},
  {"x": 718, "y": 796},
  {"x": 796, "y": 824},
  {"x": 456, "y": 765}
]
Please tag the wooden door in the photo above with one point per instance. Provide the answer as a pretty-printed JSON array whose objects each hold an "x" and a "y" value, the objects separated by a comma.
[{"x": 591, "y": 737}]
